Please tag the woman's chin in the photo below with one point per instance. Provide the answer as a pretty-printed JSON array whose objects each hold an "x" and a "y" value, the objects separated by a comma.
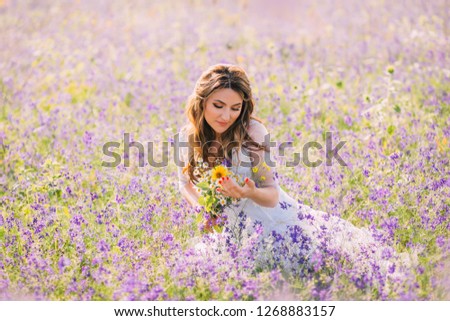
[{"x": 220, "y": 131}]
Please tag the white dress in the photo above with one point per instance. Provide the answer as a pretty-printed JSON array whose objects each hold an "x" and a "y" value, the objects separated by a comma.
[{"x": 296, "y": 237}]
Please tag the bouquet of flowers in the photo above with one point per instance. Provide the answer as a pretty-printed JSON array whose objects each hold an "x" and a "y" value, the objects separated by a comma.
[{"x": 212, "y": 201}]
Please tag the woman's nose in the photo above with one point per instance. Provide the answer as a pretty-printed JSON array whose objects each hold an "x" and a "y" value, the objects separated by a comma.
[{"x": 225, "y": 115}]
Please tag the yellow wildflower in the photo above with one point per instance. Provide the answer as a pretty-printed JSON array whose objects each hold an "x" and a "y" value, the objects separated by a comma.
[
  {"x": 219, "y": 172},
  {"x": 255, "y": 169}
]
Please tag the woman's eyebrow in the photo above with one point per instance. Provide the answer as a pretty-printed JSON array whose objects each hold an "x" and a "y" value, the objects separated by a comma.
[{"x": 225, "y": 104}]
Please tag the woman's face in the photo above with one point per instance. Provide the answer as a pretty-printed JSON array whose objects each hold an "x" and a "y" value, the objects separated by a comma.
[{"x": 222, "y": 109}]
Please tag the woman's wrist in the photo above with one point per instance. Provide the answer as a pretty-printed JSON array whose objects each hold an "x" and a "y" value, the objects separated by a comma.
[
  {"x": 250, "y": 193},
  {"x": 267, "y": 196}
]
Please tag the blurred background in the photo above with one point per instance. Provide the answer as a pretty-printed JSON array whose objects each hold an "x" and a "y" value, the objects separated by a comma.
[{"x": 77, "y": 74}]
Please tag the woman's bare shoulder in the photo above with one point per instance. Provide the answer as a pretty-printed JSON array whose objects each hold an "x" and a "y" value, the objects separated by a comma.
[{"x": 257, "y": 130}]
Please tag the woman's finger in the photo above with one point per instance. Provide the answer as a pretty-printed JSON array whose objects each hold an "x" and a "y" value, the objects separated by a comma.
[
  {"x": 222, "y": 191},
  {"x": 249, "y": 182}
]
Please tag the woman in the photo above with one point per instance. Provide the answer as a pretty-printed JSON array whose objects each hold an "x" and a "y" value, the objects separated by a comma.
[
  {"x": 222, "y": 127},
  {"x": 220, "y": 113}
]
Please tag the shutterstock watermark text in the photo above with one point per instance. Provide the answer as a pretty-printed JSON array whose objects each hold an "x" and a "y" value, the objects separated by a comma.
[{"x": 294, "y": 156}]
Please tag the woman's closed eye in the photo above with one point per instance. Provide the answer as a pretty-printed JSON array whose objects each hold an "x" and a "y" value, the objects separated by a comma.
[{"x": 220, "y": 107}]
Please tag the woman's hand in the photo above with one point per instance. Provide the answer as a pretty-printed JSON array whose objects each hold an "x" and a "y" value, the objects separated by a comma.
[{"x": 230, "y": 188}]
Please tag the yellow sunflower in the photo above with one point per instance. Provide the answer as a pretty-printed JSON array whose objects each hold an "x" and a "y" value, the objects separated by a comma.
[{"x": 219, "y": 172}]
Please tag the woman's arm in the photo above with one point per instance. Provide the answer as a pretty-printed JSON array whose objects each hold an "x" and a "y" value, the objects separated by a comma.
[
  {"x": 185, "y": 186},
  {"x": 265, "y": 196},
  {"x": 190, "y": 193},
  {"x": 267, "y": 192}
]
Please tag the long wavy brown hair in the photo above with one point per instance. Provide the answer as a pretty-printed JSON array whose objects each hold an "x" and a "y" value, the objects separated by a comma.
[{"x": 200, "y": 133}]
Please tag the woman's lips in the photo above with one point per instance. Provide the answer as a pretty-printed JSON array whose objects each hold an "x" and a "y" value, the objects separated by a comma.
[{"x": 222, "y": 124}]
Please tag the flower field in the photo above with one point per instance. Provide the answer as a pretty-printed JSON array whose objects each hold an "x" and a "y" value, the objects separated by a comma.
[{"x": 75, "y": 75}]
